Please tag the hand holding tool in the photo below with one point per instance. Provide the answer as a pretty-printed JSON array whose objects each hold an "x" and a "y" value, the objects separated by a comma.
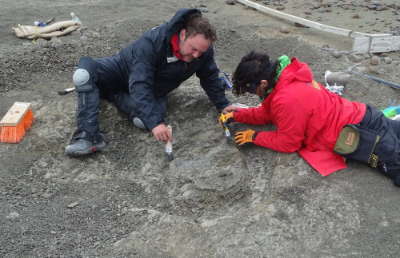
[
  {"x": 168, "y": 147},
  {"x": 223, "y": 122}
]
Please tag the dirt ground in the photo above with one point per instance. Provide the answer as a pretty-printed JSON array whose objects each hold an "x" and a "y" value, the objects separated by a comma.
[{"x": 214, "y": 199}]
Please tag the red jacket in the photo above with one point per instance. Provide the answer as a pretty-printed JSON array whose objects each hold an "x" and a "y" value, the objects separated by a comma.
[{"x": 309, "y": 118}]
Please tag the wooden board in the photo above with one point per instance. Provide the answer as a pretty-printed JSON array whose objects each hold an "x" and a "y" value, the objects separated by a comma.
[
  {"x": 363, "y": 42},
  {"x": 15, "y": 114}
]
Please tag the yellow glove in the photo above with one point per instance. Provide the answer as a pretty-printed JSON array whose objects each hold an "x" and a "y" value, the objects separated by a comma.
[
  {"x": 245, "y": 137},
  {"x": 228, "y": 119}
]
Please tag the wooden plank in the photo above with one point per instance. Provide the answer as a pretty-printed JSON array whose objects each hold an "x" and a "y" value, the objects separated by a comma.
[
  {"x": 311, "y": 24},
  {"x": 15, "y": 114},
  {"x": 380, "y": 43},
  {"x": 395, "y": 43},
  {"x": 361, "y": 45}
]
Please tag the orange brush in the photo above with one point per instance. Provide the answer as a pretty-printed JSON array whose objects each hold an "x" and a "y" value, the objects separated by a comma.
[{"x": 16, "y": 122}]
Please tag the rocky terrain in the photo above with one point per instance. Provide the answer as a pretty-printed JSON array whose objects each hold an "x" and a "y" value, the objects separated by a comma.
[{"x": 214, "y": 199}]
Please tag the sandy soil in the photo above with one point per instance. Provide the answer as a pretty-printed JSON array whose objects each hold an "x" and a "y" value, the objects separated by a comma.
[{"x": 214, "y": 199}]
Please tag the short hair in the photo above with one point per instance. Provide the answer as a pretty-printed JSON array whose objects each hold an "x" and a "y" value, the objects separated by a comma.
[
  {"x": 197, "y": 24},
  {"x": 253, "y": 65}
]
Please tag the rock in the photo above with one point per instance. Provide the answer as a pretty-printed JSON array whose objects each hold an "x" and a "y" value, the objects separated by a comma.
[
  {"x": 366, "y": 56},
  {"x": 337, "y": 54},
  {"x": 232, "y": 2},
  {"x": 375, "y": 60},
  {"x": 266, "y": 2},
  {"x": 319, "y": 18},
  {"x": 383, "y": 55},
  {"x": 322, "y": 11},
  {"x": 325, "y": 45},
  {"x": 346, "y": 53},
  {"x": 284, "y": 30},
  {"x": 308, "y": 12},
  {"x": 395, "y": 63},
  {"x": 337, "y": 78},
  {"x": 83, "y": 38},
  {"x": 299, "y": 25},
  {"x": 388, "y": 60},
  {"x": 325, "y": 4},
  {"x": 300, "y": 39},
  {"x": 72, "y": 205},
  {"x": 328, "y": 10},
  {"x": 354, "y": 58},
  {"x": 277, "y": 3},
  {"x": 355, "y": 16},
  {"x": 280, "y": 8},
  {"x": 372, "y": 7}
]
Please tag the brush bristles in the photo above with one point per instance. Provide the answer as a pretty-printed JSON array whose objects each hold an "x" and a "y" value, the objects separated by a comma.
[{"x": 14, "y": 134}]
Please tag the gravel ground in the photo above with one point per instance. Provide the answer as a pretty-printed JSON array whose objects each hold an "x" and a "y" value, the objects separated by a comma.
[{"x": 214, "y": 199}]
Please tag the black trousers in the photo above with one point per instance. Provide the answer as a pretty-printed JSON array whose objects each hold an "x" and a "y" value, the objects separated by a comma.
[
  {"x": 113, "y": 86},
  {"x": 388, "y": 147}
]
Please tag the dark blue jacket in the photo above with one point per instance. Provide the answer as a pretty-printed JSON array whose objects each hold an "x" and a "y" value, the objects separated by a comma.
[{"x": 144, "y": 63}]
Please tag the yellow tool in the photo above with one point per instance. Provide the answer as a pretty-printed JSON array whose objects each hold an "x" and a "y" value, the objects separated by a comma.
[{"x": 227, "y": 133}]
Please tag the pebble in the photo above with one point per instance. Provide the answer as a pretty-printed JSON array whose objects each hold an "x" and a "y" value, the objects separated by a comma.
[
  {"x": 354, "y": 58},
  {"x": 308, "y": 12},
  {"x": 284, "y": 30},
  {"x": 319, "y": 18},
  {"x": 388, "y": 60},
  {"x": 395, "y": 63},
  {"x": 356, "y": 16},
  {"x": 83, "y": 38},
  {"x": 328, "y": 10},
  {"x": 366, "y": 56},
  {"x": 72, "y": 205},
  {"x": 263, "y": 2},
  {"x": 325, "y": 45},
  {"x": 346, "y": 53},
  {"x": 337, "y": 54},
  {"x": 280, "y": 8},
  {"x": 300, "y": 39},
  {"x": 375, "y": 60}
]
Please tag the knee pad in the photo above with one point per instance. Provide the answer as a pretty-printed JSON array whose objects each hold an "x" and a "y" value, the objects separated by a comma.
[
  {"x": 139, "y": 123},
  {"x": 85, "y": 77}
]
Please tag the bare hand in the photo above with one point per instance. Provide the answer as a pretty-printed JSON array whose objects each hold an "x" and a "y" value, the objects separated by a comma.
[
  {"x": 162, "y": 133},
  {"x": 229, "y": 109}
]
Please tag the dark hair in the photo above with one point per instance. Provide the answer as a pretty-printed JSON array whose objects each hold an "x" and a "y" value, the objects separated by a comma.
[
  {"x": 250, "y": 67},
  {"x": 196, "y": 24}
]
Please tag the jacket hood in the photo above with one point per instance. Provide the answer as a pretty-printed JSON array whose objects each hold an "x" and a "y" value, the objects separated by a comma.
[
  {"x": 179, "y": 19},
  {"x": 296, "y": 71}
]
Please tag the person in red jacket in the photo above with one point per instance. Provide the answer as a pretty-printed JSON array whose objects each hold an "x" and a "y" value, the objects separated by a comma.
[{"x": 311, "y": 119}]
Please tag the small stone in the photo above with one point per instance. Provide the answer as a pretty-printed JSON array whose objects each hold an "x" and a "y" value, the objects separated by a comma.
[
  {"x": 300, "y": 39},
  {"x": 328, "y": 10},
  {"x": 284, "y": 30},
  {"x": 308, "y": 12},
  {"x": 354, "y": 58},
  {"x": 366, "y": 56},
  {"x": 388, "y": 60},
  {"x": 337, "y": 54},
  {"x": 299, "y": 25},
  {"x": 375, "y": 60},
  {"x": 383, "y": 55},
  {"x": 346, "y": 53},
  {"x": 319, "y": 18},
  {"x": 83, "y": 38},
  {"x": 72, "y": 205},
  {"x": 280, "y": 8},
  {"x": 230, "y": 2},
  {"x": 395, "y": 63},
  {"x": 356, "y": 16},
  {"x": 325, "y": 45},
  {"x": 325, "y": 4}
]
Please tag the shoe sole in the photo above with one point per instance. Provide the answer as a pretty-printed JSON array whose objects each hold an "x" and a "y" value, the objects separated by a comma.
[{"x": 89, "y": 150}]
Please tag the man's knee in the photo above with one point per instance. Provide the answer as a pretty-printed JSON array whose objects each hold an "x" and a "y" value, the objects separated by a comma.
[{"x": 85, "y": 77}]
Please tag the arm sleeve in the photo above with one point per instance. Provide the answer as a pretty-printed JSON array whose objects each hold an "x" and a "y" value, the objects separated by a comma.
[
  {"x": 254, "y": 116},
  {"x": 210, "y": 81},
  {"x": 292, "y": 119},
  {"x": 141, "y": 79}
]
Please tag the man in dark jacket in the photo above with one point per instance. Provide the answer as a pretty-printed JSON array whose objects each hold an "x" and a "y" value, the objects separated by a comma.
[{"x": 139, "y": 78}]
